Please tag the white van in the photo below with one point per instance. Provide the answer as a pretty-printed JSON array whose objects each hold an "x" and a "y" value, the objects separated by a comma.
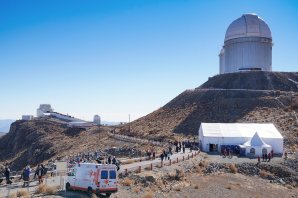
[{"x": 93, "y": 178}]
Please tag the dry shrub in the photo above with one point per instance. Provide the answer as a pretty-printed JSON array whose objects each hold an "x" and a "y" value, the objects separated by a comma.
[
  {"x": 51, "y": 190},
  {"x": 203, "y": 163},
  {"x": 13, "y": 195},
  {"x": 127, "y": 182},
  {"x": 289, "y": 186},
  {"x": 264, "y": 173},
  {"x": 130, "y": 161},
  {"x": 23, "y": 193},
  {"x": 177, "y": 188},
  {"x": 44, "y": 189},
  {"x": 41, "y": 189},
  {"x": 160, "y": 183},
  {"x": 233, "y": 168},
  {"x": 148, "y": 194},
  {"x": 196, "y": 187},
  {"x": 229, "y": 187}
]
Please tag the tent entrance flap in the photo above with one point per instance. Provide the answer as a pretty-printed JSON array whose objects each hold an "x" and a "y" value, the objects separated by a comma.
[{"x": 213, "y": 147}]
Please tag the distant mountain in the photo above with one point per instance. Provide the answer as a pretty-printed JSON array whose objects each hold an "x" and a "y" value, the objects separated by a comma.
[
  {"x": 5, "y": 125},
  {"x": 110, "y": 123}
]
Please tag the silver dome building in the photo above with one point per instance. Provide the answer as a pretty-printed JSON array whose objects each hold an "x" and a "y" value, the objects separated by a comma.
[{"x": 247, "y": 46}]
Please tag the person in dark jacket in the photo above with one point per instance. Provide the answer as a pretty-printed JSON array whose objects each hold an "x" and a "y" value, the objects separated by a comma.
[
  {"x": 26, "y": 176},
  {"x": 39, "y": 173},
  {"x": 109, "y": 160},
  {"x": 7, "y": 175},
  {"x": 114, "y": 160}
]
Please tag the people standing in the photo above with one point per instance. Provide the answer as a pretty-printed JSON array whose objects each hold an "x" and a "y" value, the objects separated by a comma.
[
  {"x": 259, "y": 160},
  {"x": 39, "y": 173},
  {"x": 153, "y": 155},
  {"x": 114, "y": 160},
  {"x": 109, "y": 160},
  {"x": 7, "y": 175},
  {"x": 266, "y": 157},
  {"x": 183, "y": 148},
  {"x": 269, "y": 157},
  {"x": 26, "y": 176},
  {"x": 161, "y": 157}
]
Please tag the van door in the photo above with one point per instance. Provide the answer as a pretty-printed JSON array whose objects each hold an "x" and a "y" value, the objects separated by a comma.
[
  {"x": 113, "y": 180},
  {"x": 108, "y": 180}
]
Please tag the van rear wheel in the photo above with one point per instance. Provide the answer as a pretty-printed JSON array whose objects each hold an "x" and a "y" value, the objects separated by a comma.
[{"x": 108, "y": 194}]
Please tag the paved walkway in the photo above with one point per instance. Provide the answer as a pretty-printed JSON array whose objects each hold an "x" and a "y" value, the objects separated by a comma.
[{"x": 157, "y": 162}]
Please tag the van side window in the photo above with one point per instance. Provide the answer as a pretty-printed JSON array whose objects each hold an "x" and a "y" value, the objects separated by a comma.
[
  {"x": 104, "y": 174},
  {"x": 112, "y": 174}
]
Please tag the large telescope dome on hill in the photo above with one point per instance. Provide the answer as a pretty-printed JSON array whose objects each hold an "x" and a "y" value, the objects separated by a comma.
[{"x": 247, "y": 46}]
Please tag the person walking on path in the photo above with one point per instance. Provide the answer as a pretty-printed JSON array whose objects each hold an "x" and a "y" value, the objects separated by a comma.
[
  {"x": 7, "y": 175},
  {"x": 161, "y": 157},
  {"x": 269, "y": 157},
  {"x": 153, "y": 155},
  {"x": 259, "y": 160},
  {"x": 26, "y": 176},
  {"x": 109, "y": 160},
  {"x": 164, "y": 154},
  {"x": 183, "y": 148},
  {"x": 39, "y": 173},
  {"x": 266, "y": 157}
]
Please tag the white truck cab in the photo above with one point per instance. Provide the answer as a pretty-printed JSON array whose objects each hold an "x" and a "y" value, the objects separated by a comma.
[{"x": 93, "y": 178}]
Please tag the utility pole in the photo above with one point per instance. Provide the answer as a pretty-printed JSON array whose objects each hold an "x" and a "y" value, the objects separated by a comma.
[
  {"x": 99, "y": 132},
  {"x": 129, "y": 122}
]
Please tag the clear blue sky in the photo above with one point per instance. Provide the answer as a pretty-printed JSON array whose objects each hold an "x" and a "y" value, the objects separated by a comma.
[{"x": 120, "y": 57}]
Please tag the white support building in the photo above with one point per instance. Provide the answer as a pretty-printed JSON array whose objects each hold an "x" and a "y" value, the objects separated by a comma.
[
  {"x": 250, "y": 138},
  {"x": 27, "y": 117}
]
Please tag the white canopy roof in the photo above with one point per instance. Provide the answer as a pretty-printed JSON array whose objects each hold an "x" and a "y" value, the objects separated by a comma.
[
  {"x": 265, "y": 130},
  {"x": 256, "y": 140}
]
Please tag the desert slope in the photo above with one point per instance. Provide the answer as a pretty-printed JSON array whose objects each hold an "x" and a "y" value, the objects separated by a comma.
[{"x": 237, "y": 97}]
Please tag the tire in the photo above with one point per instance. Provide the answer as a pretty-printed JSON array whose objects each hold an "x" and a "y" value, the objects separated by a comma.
[
  {"x": 67, "y": 187},
  {"x": 108, "y": 194},
  {"x": 89, "y": 191}
]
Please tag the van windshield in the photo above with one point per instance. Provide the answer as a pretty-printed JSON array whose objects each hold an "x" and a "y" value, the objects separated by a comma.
[{"x": 112, "y": 174}]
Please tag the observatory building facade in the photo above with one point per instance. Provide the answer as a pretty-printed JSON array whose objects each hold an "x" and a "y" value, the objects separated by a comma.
[{"x": 247, "y": 46}]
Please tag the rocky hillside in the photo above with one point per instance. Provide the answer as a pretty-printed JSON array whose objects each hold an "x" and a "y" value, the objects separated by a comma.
[
  {"x": 33, "y": 142},
  {"x": 261, "y": 97}
]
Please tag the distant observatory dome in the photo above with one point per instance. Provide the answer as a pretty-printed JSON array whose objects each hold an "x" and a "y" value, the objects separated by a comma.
[
  {"x": 247, "y": 46},
  {"x": 96, "y": 119}
]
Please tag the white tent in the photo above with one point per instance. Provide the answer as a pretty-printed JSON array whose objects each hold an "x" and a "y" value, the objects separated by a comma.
[
  {"x": 256, "y": 146},
  {"x": 213, "y": 135}
]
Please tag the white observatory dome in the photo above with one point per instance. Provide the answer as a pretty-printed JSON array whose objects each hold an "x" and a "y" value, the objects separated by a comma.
[
  {"x": 247, "y": 46},
  {"x": 248, "y": 25}
]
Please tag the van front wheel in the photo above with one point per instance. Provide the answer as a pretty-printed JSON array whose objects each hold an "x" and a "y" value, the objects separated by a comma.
[
  {"x": 89, "y": 191},
  {"x": 68, "y": 187}
]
